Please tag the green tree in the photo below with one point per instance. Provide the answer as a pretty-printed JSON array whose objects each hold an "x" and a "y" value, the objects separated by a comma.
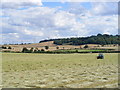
[
  {"x": 98, "y": 39},
  {"x": 76, "y": 51}
]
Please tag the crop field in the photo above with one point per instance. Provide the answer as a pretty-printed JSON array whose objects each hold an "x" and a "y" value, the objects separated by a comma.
[{"x": 59, "y": 70}]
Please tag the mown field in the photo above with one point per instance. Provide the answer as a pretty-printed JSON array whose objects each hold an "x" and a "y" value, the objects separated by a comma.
[{"x": 59, "y": 70}]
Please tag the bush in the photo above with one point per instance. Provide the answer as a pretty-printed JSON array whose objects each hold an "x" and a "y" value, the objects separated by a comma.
[
  {"x": 76, "y": 51},
  {"x": 3, "y": 47},
  {"x": 9, "y": 47},
  {"x": 25, "y": 50},
  {"x": 46, "y": 47},
  {"x": 35, "y": 51},
  {"x": 42, "y": 50},
  {"x": 31, "y": 50},
  {"x": 86, "y": 46},
  {"x": 57, "y": 47}
]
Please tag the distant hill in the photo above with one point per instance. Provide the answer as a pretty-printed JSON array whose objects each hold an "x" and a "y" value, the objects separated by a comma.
[
  {"x": 93, "y": 42},
  {"x": 104, "y": 39}
]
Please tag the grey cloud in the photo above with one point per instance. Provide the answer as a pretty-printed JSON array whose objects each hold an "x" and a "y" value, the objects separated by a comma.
[{"x": 15, "y": 4}]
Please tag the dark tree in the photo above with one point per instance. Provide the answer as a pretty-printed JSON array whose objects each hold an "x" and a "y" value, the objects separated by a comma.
[
  {"x": 31, "y": 50},
  {"x": 35, "y": 51},
  {"x": 42, "y": 50},
  {"x": 57, "y": 47},
  {"x": 3, "y": 47},
  {"x": 86, "y": 46},
  {"x": 46, "y": 47},
  {"x": 25, "y": 50},
  {"x": 9, "y": 47},
  {"x": 104, "y": 39}
]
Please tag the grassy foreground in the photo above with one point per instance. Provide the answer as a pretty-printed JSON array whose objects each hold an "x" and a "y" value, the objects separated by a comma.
[{"x": 59, "y": 70}]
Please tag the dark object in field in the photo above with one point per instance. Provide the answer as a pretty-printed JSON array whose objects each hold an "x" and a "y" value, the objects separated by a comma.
[{"x": 100, "y": 56}]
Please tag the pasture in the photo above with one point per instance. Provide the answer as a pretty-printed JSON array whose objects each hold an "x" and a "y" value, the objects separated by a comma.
[{"x": 30, "y": 70}]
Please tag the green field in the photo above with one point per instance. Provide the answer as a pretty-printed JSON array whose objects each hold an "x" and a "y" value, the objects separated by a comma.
[
  {"x": 81, "y": 50},
  {"x": 59, "y": 70}
]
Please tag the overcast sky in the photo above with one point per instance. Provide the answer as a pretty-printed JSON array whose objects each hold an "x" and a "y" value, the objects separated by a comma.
[{"x": 34, "y": 20}]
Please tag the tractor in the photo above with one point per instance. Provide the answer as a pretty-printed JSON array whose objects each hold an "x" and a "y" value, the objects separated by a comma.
[{"x": 100, "y": 56}]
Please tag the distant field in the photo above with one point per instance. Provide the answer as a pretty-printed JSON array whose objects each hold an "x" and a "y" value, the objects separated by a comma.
[
  {"x": 52, "y": 46},
  {"x": 80, "y": 50},
  {"x": 59, "y": 70}
]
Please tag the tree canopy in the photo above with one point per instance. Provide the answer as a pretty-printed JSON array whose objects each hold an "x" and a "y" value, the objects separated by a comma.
[{"x": 98, "y": 39}]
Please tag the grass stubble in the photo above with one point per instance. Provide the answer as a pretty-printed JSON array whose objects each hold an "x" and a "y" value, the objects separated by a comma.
[{"x": 22, "y": 70}]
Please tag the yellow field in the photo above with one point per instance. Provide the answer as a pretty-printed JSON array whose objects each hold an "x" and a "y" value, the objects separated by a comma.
[{"x": 59, "y": 70}]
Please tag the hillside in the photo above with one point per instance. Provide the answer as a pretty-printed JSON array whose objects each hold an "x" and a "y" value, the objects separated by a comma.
[
  {"x": 33, "y": 45},
  {"x": 93, "y": 42}
]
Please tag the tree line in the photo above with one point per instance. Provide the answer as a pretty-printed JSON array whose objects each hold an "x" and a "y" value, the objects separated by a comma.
[
  {"x": 103, "y": 39},
  {"x": 3, "y": 47}
]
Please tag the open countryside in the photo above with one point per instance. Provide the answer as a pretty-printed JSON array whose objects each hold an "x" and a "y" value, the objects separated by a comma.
[
  {"x": 60, "y": 44},
  {"x": 99, "y": 42},
  {"x": 49, "y": 65}
]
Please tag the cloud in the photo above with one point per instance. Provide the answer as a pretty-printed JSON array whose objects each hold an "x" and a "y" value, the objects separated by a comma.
[
  {"x": 102, "y": 24},
  {"x": 12, "y": 4},
  {"x": 33, "y": 33},
  {"x": 42, "y": 22},
  {"x": 76, "y": 8},
  {"x": 103, "y": 8}
]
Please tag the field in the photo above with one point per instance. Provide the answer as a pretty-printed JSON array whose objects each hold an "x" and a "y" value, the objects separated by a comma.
[
  {"x": 59, "y": 70},
  {"x": 80, "y": 50},
  {"x": 52, "y": 47}
]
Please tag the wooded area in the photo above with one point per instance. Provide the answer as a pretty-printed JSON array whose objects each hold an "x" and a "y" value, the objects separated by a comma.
[{"x": 99, "y": 39}]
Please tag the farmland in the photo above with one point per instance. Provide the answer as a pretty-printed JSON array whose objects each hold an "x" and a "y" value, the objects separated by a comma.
[
  {"x": 59, "y": 70},
  {"x": 53, "y": 47}
]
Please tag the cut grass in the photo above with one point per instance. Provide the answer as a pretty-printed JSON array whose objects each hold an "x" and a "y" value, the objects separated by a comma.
[
  {"x": 22, "y": 62},
  {"x": 58, "y": 70}
]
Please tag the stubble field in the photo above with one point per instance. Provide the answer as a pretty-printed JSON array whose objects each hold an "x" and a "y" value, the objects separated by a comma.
[{"x": 59, "y": 70}]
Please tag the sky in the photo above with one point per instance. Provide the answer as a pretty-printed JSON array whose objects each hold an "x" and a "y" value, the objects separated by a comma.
[{"x": 33, "y": 20}]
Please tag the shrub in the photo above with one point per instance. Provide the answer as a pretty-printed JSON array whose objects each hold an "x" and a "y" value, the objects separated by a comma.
[
  {"x": 76, "y": 51},
  {"x": 86, "y": 46},
  {"x": 42, "y": 50},
  {"x": 35, "y": 51},
  {"x": 25, "y": 50},
  {"x": 3, "y": 47},
  {"x": 46, "y": 47},
  {"x": 57, "y": 47},
  {"x": 9, "y": 47},
  {"x": 31, "y": 50}
]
